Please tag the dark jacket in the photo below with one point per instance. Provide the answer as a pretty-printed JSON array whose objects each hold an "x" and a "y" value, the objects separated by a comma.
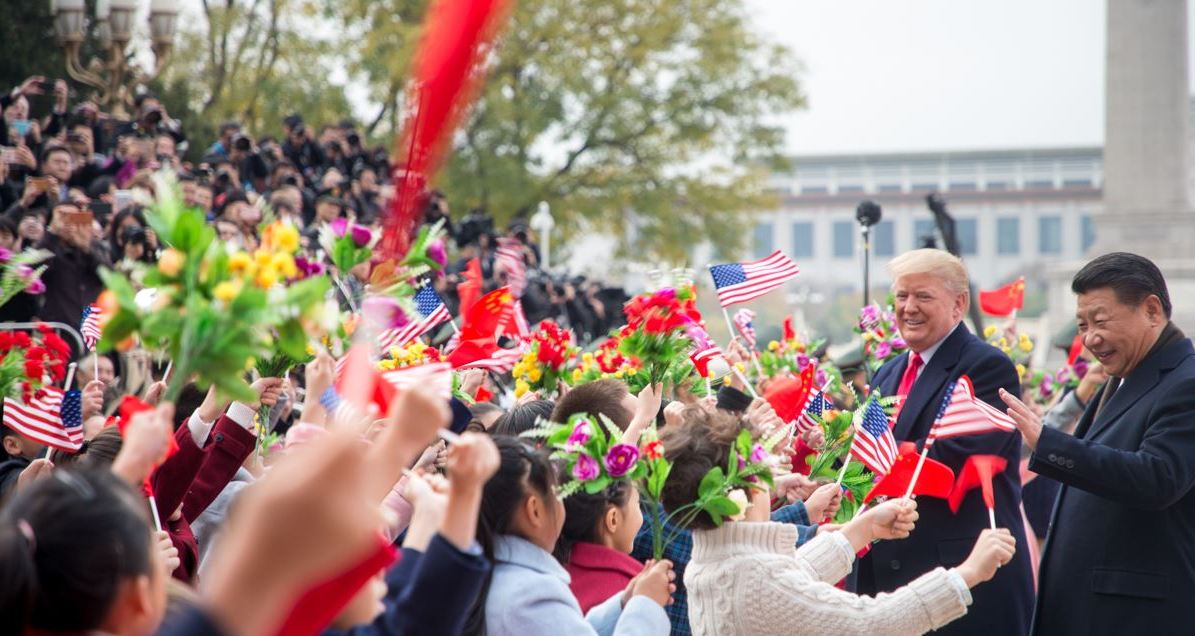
[
  {"x": 1120, "y": 554},
  {"x": 1004, "y": 604},
  {"x": 72, "y": 280},
  {"x": 10, "y": 469}
]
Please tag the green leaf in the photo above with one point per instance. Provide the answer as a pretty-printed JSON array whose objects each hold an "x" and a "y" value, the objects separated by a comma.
[
  {"x": 724, "y": 506},
  {"x": 595, "y": 486},
  {"x": 713, "y": 482}
]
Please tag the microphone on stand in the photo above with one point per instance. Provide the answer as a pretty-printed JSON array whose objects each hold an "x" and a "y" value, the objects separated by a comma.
[{"x": 868, "y": 213}]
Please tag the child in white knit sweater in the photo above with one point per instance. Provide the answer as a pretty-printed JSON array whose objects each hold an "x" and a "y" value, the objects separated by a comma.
[{"x": 745, "y": 577}]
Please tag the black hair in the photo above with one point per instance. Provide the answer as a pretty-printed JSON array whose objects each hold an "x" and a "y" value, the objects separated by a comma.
[
  {"x": 522, "y": 471},
  {"x": 479, "y": 410},
  {"x": 45, "y": 154},
  {"x": 583, "y": 514},
  {"x": 7, "y": 225},
  {"x": 1131, "y": 277},
  {"x": 67, "y": 542},
  {"x": 601, "y": 397},
  {"x": 523, "y": 417},
  {"x": 5, "y": 431},
  {"x": 99, "y": 187}
]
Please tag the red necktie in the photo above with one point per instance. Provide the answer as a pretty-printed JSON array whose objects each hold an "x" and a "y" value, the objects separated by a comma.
[{"x": 910, "y": 376}]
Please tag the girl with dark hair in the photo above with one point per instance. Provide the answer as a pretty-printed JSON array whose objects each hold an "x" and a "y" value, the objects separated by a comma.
[
  {"x": 78, "y": 556},
  {"x": 595, "y": 544},
  {"x": 523, "y": 417},
  {"x": 527, "y": 594}
]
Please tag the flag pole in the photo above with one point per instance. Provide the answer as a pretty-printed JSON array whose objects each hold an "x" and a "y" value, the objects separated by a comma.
[
  {"x": 842, "y": 472},
  {"x": 169, "y": 366},
  {"x": 153, "y": 508},
  {"x": 95, "y": 358},
  {"x": 70, "y": 376},
  {"x": 746, "y": 382},
  {"x": 992, "y": 517},
  {"x": 917, "y": 470}
]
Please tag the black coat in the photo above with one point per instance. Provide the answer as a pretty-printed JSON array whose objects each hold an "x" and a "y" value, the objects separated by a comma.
[
  {"x": 1003, "y": 605},
  {"x": 1120, "y": 554}
]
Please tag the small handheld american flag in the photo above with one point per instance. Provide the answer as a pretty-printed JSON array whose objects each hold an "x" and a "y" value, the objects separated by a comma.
[
  {"x": 740, "y": 282},
  {"x": 874, "y": 444},
  {"x": 90, "y": 327},
  {"x": 744, "y": 321},
  {"x": 818, "y": 403},
  {"x": 54, "y": 419},
  {"x": 432, "y": 312},
  {"x": 501, "y": 361},
  {"x": 509, "y": 254},
  {"x": 962, "y": 413}
]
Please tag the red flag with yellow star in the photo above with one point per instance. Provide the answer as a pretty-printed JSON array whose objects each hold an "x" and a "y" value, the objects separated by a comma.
[{"x": 1005, "y": 300}]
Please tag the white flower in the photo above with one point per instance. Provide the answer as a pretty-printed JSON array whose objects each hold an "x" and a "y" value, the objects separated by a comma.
[
  {"x": 145, "y": 299},
  {"x": 740, "y": 499},
  {"x": 718, "y": 367}
]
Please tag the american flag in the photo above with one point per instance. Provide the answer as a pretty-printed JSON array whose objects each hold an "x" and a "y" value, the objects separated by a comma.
[
  {"x": 818, "y": 403},
  {"x": 962, "y": 414},
  {"x": 740, "y": 282},
  {"x": 90, "y": 327},
  {"x": 432, "y": 312},
  {"x": 54, "y": 419},
  {"x": 873, "y": 443},
  {"x": 434, "y": 376},
  {"x": 501, "y": 361},
  {"x": 705, "y": 350},
  {"x": 743, "y": 320},
  {"x": 510, "y": 254},
  {"x": 522, "y": 328}
]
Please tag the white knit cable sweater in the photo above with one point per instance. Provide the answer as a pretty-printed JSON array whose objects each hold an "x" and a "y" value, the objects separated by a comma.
[{"x": 746, "y": 578}]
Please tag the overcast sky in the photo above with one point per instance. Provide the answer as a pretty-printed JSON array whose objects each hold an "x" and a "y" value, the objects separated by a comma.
[{"x": 892, "y": 75}]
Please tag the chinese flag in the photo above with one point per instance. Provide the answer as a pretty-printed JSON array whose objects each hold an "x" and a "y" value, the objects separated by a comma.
[
  {"x": 978, "y": 471},
  {"x": 936, "y": 479},
  {"x": 1005, "y": 300},
  {"x": 789, "y": 395},
  {"x": 130, "y": 406},
  {"x": 469, "y": 290},
  {"x": 485, "y": 321},
  {"x": 317, "y": 607}
]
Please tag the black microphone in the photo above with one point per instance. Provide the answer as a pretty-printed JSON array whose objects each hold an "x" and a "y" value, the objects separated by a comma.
[{"x": 868, "y": 213}]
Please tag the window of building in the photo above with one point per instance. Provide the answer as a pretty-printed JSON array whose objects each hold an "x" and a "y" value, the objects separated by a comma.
[
  {"x": 883, "y": 239},
  {"x": 761, "y": 244},
  {"x": 924, "y": 187},
  {"x": 889, "y": 187},
  {"x": 1076, "y": 183},
  {"x": 963, "y": 186},
  {"x": 924, "y": 229},
  {"x": 844, "y": 239},
  {"x": 968, "y": 236},
  {"x": 814, "y": 190},
  {"x": 1039, "y": 184},
  {"x": 850, "y": 189},
  {"x": 1088, "y": 231},
  {"x": 1008, "y": 236},
  {"x": 802, "y": 239},
  {"x": 1049, "y": 235}
]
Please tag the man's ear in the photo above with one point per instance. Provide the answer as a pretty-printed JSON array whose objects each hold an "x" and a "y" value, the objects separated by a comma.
[
  {"x": 11, "y": 445},
  {"x": 1154, "y": 311}
]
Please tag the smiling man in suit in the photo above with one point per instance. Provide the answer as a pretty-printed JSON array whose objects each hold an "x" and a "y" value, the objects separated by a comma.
[
  {"x": 1120, "y": 554},
  {"x": 932, "y": 296}
]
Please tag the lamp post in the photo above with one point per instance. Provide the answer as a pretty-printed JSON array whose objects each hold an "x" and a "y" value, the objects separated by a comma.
[
  {"x": 112, "y": 28},
  {"x": 542, "y": 222}
]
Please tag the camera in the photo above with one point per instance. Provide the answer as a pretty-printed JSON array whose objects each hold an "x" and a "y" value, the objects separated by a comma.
[
  {"x": 354, "y": 139},
  {"x": 134, "y": 235},
  {"x": 153, "y": 117},
  {"x": 290, "y": 180}
]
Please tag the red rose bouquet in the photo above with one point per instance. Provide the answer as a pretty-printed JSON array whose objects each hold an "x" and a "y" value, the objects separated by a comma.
[
  {"x": 27, "y": 361},
  {"x": 655, "y": 330}
]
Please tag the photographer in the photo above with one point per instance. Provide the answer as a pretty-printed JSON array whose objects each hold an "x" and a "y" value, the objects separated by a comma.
[
  {"x": 72, "y": 273},
  {"x": 250, "y": 165},
  {"x": 223, "y": 146},
  {"x": 365, "y": 195},
  {"x": 300, "y": 149},
  {"x": 129, "y": 240},
  {"x": 152, "y": 120}
]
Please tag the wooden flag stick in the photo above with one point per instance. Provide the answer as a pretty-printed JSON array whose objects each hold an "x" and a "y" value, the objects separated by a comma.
[
  {"x": 917, "y": 471},
  {"x": 153, "y": 508}
]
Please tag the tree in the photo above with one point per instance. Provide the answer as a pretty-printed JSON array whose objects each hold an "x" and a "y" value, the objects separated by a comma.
[
  {"x": 254, "y": 61},
  {"x": 651, "y": 114}
]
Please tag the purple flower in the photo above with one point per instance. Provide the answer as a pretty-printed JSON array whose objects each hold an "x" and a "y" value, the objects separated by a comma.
[
  {"x": 361, "y": 235},
  {"x": 1047, "y": 379},
  {"x": 581, "y": 435},
  {"x": 308, "y": 268},
  {"x": 620, "y": 459},
  {"x": 1064, "y": 375},
  {"x": 24, "y": 271},
  {"x": 4, "y": 255},
  {"x": 869, "y": 316},
  {"x": 898, "y": 343},
  {"x": 802, "y": 361},
  {"x": 436, "y": 252},
  {"x": 1080, "y": 368},
  {"x": 339, "y": 226},
  {"x": 821, "y": 378},
  {"x": 384, "y": 311},
  {"x": 883, "y": 350},
  {"x": 759, "y": 454},
  {"x": 1045, "y": 390},
  {"x": 586, "y": 468},
  {"x": 35, "y": 286}
]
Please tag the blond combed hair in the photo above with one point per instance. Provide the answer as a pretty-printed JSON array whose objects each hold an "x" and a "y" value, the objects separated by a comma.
[{"x": 946, "y": 266}]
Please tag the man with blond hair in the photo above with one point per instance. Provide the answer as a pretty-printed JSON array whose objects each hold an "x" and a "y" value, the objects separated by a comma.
[{"x": 932, "y": 296}]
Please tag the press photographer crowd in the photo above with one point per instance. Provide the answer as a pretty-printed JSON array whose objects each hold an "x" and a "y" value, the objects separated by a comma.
[{"x": 283, "y": 388}]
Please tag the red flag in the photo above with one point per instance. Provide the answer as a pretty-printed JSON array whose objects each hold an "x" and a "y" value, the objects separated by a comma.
[
  {"x": 361, "y": 385},
  {"x": 456, "y": 36},
  {"x": 488, "y": 316},
  {"x": 470, "y": 290},
  {"x": 483, "y": 394},
  {"x": 132, "y": 405},
  {"x": 1072, "y": 356},
  {"x": 789, "y": 395},
  {"x": 316, "y": 608},
  {"x": 789, "y": 332},
  {"x": 1005, "y": 300},
  {"x": 978, "y": 471},
  {"x": 936, "y": 479}
]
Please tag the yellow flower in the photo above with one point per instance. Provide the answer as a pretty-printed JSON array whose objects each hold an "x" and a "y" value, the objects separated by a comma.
[
  {"x": 773, "y": 346},
  {"x": 619, "y": 373},
  {"x": 577, "y": 375},
  {"x": 263, "y": 258},
  {"x": 227, "y": 291},
  {"x": 519, "y": 369},
  {"x": 283, "y": 263},
  {"x": 266, "y": 278},
  {"x": 1002, "y": 342},
  {"x": 989, "y": 331},
  {"x": 240, "y": 263},
  {"x": 286, "y": 237},
  {"x": 1026, "y": 345},
  {"x": 1007, "y": 350},
  {"x": 587, "y": 358},
  {"x": 535, "y": 374},
  {"x": 521, "y": 388},
  {"x": 170, "y": 262},
  {"x": 1020, "y": 370}
]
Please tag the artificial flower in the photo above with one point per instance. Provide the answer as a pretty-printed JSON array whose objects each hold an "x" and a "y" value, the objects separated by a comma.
[
  {"x": 739, "y": 498},
  {"x": 585, "y": 468},
  {"x": 620, "y": 459},
  {"x": 170, "y": 262}
]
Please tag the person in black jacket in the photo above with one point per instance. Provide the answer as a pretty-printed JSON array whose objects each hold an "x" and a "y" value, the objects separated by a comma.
[
  {"x": 931, "y": 290},
  {"x": 72, "y": 273},
  {"x": 1120, "y": 554}
]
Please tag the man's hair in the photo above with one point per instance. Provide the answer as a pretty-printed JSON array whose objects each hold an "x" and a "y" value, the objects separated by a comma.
[
  {"x": 1131, "y": 277},
  {"x": 45, "y": 154},
  {"x": 946, "y": 266},
  {"x": 602, "y": 397},
  {"x": 522, "y": 417},
  {"x": 227, "y": 126},
  {"x": 702, "y": 442}
]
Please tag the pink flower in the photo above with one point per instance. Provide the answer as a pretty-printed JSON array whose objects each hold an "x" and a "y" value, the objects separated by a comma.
[
  {"x": 24, "y": 271},
  {"x": 361, "y": 235},
  {"x": 899, "y": 343},
  {"x": 4, "y": 255},
  {"x": 586, "y": 468},
  {"x": 667, "y": 294},
  {"x": 869, "y": 316},
  {"x": 620, "y": 459},
  {"x": 35, "y": 286},
  {"x": 883, "y": 350},
  {"x": 802, "y": 361},
  {"x": 308, "y": 268},
  {"x": 821, "y": 378},
  {"x": 581, "y": 435},
  {"x": 759, "y": 454},
  {"x": 339, "y": 226},
  {"x": 384, "y": 311},
  {"x": 436, "y": 252}
]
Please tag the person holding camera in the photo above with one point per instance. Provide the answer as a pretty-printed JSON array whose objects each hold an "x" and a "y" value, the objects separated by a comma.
[
  {"x": 152, "y": 120},
  {"x": 300, "y": 148},
  {"x": 250, "y": 165},
  {"x": 72, "y": 274}
]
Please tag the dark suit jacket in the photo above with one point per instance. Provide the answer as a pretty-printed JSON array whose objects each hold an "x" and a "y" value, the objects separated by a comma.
[
  {"x": 1120, "y": 554},
  {"x": 1004, "y": 604}
]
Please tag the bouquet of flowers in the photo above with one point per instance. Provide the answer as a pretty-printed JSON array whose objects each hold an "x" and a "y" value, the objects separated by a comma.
[
  {"x": 19, "y": 274},
  {"x": 216, "y": 314},
  {"x": 1044, "y": 387},
  {"x": 411, "y": 354},
  {"x": 881, "y": 341},
  {"x": 834, "y": 458},
  {"x": 26, "y": 361},
  {"x": 1017, "y": 347},
  {"x": 655, "y": 329},
  {"x": 549, "y": 352},
  {"x": 346, "y": 244},
  {"x": 608, "y": 362},
  {"x": 788, "y": 357}
]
